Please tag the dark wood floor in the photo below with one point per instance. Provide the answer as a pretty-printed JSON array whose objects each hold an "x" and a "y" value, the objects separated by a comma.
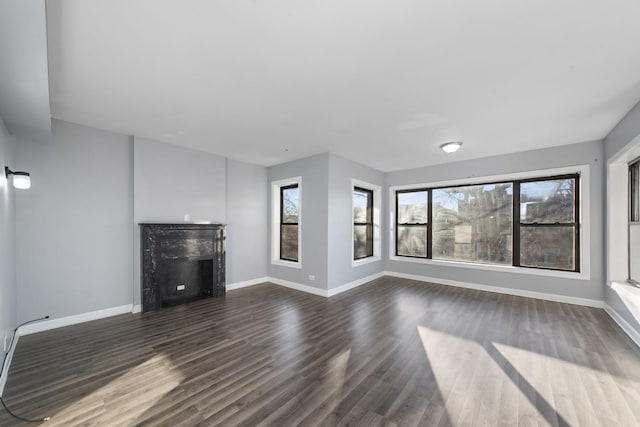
[{"x": 392, "y": 352}]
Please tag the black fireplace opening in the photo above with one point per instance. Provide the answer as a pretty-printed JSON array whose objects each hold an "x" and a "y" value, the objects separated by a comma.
[{"x": 184, "y": 281}]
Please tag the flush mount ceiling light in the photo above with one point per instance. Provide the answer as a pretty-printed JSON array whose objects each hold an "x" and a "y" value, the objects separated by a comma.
[
  {"x": 451, "y": 147},
  {"x": 21, "y": 180}
]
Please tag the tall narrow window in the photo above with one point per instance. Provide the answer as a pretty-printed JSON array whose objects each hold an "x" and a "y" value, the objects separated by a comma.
[
  {"x": 289, "y": 214},
  {"x": 634, "y": 222},
  {"x": 362, "y": 223},
  {"x": 412, "y": 221},
  {"x": 549, "y": 229}
]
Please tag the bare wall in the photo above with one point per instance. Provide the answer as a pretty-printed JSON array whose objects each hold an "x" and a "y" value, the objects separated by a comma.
[
  {"x": 74, "y": 224},
  {"x": 8, "y": 287},
  {"x": 624, "y": 132},
  {"x": 246, "y": 221}
]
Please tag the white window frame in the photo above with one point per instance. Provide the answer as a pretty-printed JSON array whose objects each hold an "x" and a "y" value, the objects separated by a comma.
[
  {"x": 631, "y": 224},
  {"x": 618, "y": 213},
  {"x": 275, "y": 222},
  {"x": 584, "y": 224},
  {"x": 617, "y": 248},
  {"x": 376, "y": 215}
]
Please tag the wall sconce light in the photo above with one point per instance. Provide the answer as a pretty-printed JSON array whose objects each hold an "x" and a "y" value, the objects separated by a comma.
[
  {"x": 451, "y": 147},
  {"x": 21, "y": 180}
]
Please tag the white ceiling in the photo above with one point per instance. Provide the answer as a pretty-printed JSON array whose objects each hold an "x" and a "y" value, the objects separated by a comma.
[
  {"x": 24, "y": 84},
  {"x": 380, "y": 82}
]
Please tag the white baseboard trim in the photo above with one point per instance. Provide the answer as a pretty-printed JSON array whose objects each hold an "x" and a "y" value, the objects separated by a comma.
[
  {"x": 354, "y": 284},
  {"x": 46, "y": 325},
  {"x": 7, "y": 364},
  {"x": 517, "y": 292},
  {"x": 247, "y": 283},
  {"x": 632, "y": 332},
  {"x": 136, "y": 308},
  {"x": 299, "y": 287}
]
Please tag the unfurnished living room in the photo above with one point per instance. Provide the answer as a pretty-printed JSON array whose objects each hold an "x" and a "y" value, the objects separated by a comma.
[{"x": 320, "y": 213}]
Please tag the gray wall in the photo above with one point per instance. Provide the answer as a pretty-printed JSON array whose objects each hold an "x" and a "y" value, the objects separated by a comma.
[
  {"x": 247, "y": 254},
  {"x": 340, "y": 240},
  {"x": 591, "y": 153},
  {"x": 24, "y": 103},
  {"x": 627, "y": 130},
  {"x": 315, "y": 177},
  {"x": 624, "y": 133},
  {"x": 74, "y": 224},
  {"x": 169, "y": 182},
  {"x": 7, "y": 238}
]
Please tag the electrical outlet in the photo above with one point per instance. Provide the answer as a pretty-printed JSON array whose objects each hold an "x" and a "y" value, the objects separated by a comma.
[
  {"x": 312, "y": 277},
  {"x": 180, "y": 288},
  {"x": 5, "y": 346}
]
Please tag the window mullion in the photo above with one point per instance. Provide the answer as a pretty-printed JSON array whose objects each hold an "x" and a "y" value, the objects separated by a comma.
[
  {"x": 396, "y": 227},
  {"x": 429, "y": 226},
  {"x": 515, "y": 239}
]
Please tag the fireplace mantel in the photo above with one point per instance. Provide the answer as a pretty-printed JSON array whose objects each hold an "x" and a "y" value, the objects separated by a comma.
[{"x": 181, "y": 263}]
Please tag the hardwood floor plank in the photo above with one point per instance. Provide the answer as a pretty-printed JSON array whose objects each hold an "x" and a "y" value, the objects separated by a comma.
[{"x": 394, "y": 352}]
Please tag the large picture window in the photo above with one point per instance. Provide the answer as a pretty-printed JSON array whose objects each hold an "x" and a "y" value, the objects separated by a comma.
[
  {"x": 524, "y": 223},
  {"x": 362, "y": 223}
]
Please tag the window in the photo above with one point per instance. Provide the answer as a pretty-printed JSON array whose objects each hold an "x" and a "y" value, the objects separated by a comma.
[
  {"x": 524, "y": 223},
  {"x": 362, "y": 223},
  {"x": 548, "y": 231},
  {"x": 473, "y": 223},
  {"x": 365, "y": 234},
  {"x": 286, "y": 219},
  {"x": 634, "y": 222},
  {"x": 412, "y": 216},
  {"x": 289, "y": 222}
]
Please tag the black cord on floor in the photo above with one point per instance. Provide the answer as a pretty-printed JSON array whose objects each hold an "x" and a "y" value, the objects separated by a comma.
[
  {"x": 26, "y": 420},
  {"x": 13, "y": 337}
]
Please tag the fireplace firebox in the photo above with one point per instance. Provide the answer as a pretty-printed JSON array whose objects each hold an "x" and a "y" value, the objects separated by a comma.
[{"x": 181, "y": 263}]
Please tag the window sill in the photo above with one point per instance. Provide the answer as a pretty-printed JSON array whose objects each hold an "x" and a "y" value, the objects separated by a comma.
[
  {"x": 502, "y": 268},
  {"x": 364, "y": 261},
  {"x": 283, "y": 263},
  {"x": 626, "y": 287}
]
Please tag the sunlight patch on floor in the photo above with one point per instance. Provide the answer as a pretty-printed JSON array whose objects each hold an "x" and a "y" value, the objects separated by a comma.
[
  {"x": 464, "y": 372},
  {"x": 568, "y": 390},
  {"x": 337, "y": 371},
  {"x": 498, "y": 384},
  {"x": 135, "y": 391}
]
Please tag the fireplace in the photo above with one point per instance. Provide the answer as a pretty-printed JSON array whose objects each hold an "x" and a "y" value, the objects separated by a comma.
[{"x": 181, "y": 263}]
